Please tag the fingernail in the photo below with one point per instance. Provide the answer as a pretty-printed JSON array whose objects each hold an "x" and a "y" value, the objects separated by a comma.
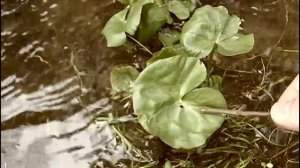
[{"x": 280, "y": 112}]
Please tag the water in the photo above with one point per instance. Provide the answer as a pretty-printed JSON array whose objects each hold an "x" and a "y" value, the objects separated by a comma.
[{"x": 55, "y": 73}]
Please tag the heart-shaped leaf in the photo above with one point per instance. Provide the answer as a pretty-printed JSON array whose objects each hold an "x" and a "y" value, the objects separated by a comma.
[
  {"x": 134, "y": 15},
  {"x": 167, "y": 106},
  {"x": 122, "y": 78},
  {"x": 153, "y": 18},
  {"x": 213, "y": 25},
  {"x": 114, "y": 30}
]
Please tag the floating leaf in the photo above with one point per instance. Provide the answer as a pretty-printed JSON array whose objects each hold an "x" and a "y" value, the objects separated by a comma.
[
  {"x": 121, "y": 79},
  {"x": 114, "y": 30},
  {"x": 169, "y": 37},
  {"x": 153, "y": 18},
  {"x": 179, "y": 9},
  {"x": 166, "y": 52},
  {"x": 134, "y": 15},
  {"x": 167, "y": 106},
  {"x": 213, "y": 25}
]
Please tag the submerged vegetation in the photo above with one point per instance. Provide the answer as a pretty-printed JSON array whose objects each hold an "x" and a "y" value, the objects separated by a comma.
[{"x": 172, "y": 90}]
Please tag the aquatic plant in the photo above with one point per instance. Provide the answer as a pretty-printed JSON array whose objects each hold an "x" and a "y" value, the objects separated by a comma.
[{"x": 173, "y": 93}]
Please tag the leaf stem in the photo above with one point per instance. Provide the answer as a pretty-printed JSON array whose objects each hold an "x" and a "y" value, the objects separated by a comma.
[
  {"x": 145, "y": 48},
  {"x": 234, "y": 112}
]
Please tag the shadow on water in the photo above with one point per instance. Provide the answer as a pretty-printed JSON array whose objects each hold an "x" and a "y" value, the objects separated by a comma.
[{"x": 55, "y": 73}]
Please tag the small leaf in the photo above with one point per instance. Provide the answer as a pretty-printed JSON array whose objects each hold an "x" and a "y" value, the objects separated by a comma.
[
  {"x": 168, "y": 164},
  {"x": 153, "y": 18},
  {"x": 169, "y": 37},
  {"x": 214, "y": 81},
  {"x": 237, "y": 44},
  {"x": 166, "y": 52},
  {"x": 121, "y": 79},
  {"x": 179, "y": 9},
  {"x": 134, "y": 15},
  {"x": 114, "y": 30}
]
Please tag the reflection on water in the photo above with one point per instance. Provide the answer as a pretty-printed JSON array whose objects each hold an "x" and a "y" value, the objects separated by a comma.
[{"x": 55, "y": 70}]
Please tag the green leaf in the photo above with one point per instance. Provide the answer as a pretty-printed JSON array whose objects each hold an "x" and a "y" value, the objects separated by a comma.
[
  {"x": 114, "y": 30},
  {"x": 179, "y": 9},
  {"x": 214, "y": 81},
  {"x": 232, "y": 26},
  {"x": 125, "y": 2},
  {"x": 190, "y": 4},
  {"x": 213, "y": 25},
  {"x": 161, "y": 100},
  {"x": 168, "y": 164},
  {"x": 237, "y": 44},
  {"x": 153, "y": 18},
  {"x": 169, "y": 37},
  {"x": 166, "y": 52},
  {"x": 205, "y": 97},
  {"x": 134, "y": 15},
  {"x": 122, "y": 78}
]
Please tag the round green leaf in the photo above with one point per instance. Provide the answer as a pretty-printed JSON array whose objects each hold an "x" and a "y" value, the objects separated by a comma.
[
  {"x": 237, "y": 44},
  {"x": 179, "y": 9},
  {"x": 213, "y": 25},
  {"x": 161, "y": 99},
  {"x": 200, "y": 33},
  {"x": 153, "y": 18},
  {"x": 122, "y": 78},
  {"x": 114, "y": 30},
  {"x": 134, "y": 15}
]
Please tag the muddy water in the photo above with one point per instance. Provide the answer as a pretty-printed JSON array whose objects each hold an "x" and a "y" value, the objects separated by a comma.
[{"x": 55, "y": 73}]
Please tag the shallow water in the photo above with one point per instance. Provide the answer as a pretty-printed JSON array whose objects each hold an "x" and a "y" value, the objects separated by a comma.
[{"x": 55, "y": 73}]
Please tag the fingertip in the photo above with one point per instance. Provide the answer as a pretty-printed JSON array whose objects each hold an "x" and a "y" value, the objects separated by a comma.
[{"x": 286, "y": 114}]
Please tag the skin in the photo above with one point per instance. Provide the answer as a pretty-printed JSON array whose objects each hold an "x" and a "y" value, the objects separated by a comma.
[{"x": 285, "y": 112}]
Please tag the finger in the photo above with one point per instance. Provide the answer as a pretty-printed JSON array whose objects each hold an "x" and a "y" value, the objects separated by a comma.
[
  {"x": 291, "y": 91},
  {"x": 286, "y": 114}
]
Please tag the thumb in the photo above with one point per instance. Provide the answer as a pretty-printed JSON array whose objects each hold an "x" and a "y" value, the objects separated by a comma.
[{"x": 286, "y": 114}]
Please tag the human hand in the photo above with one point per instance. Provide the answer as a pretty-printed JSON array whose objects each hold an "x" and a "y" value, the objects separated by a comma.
[{"x": 285, "y": 112}]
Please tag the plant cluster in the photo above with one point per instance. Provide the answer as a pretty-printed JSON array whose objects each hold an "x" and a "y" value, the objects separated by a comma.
[{"x": 175, "y": 85}]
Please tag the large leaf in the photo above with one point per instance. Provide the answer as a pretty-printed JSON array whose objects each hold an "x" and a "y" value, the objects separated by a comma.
[
  {"x": 213, "y": 25},
  {"x": 134, "y": 15},
  {"x": 122, "y": 78},
  {"x": 114, "y": 30},
  {"x": 162, "y": 100},
  {"x": 153, "y": 18}
]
